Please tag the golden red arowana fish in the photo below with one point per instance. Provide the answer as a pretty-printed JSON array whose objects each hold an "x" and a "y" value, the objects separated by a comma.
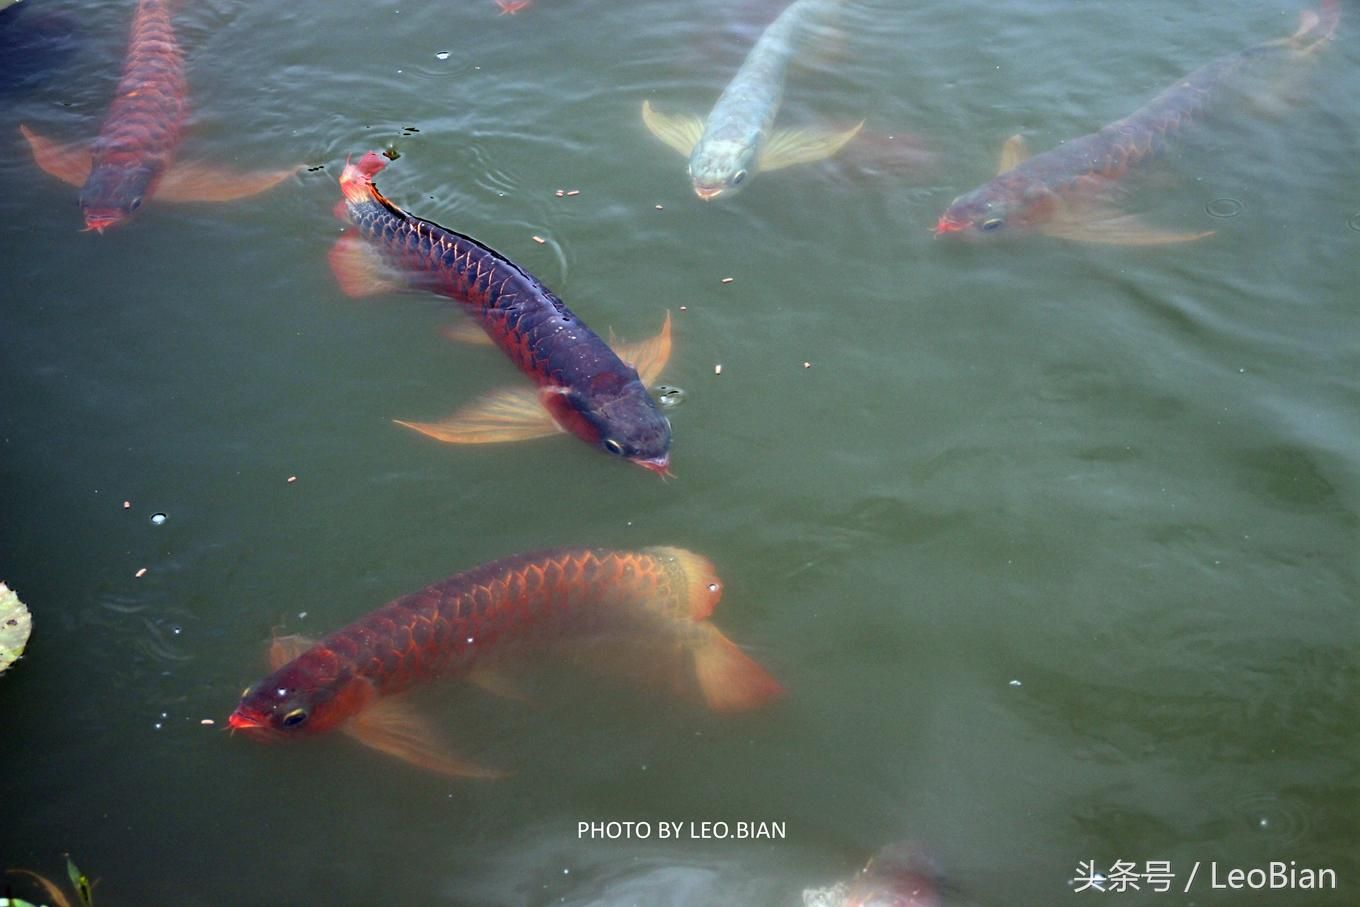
[
  {"x": 1059, "y": 192},
  {"x": 582, "y": 384},
  {"x": 133, "y": 159},
  {"x": 642, "y": 610}
]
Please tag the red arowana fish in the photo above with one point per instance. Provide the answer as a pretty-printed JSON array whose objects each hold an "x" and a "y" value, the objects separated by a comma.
[
  {"x": 1058, "y": 192},
  {"x": 646, "y": 607},
  {"x": 132, "y": 160},
  {"x": 899, "y": 875},
  {"x": 584, "y": 387}
]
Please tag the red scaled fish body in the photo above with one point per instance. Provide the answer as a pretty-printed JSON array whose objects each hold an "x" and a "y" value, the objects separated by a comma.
[
  {"x": 133, "y": 157},
  {"x": 1058, "y": 192},
  {"x": 584, "y": 387},
  {"x": 649, "y": 606}
]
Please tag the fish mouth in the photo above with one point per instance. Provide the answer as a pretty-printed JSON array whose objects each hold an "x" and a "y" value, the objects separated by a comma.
[
  {"x": 99, "y": 221},
  {"x": 708, "y": 193},
  {"x": 242, "y": 720},
  {"x": 947, "y": 224},
  {"x": 660, "y": 465}
]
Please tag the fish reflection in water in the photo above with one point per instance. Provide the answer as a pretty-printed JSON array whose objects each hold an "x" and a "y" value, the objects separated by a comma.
[
  {"x": 644, "y": 613},
  {"x": 1063, "y": 192},
  {"x": 899, "y": 875},
  {"x": 737, "y": 140}
]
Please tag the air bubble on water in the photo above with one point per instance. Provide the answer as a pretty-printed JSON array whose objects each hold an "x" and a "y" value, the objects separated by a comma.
[
  {"x": 442, "y": 55},
  {"x": 668, "y": 395},
  {"x": 158, "y": 518},
  {"x": 177, "y": 630},
  {"x": 1016, "y": 683}
]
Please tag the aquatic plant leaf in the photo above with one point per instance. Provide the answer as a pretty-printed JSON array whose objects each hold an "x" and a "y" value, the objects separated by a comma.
[
  {"x": 80, "y": 883},
  {"x": 15, "y": 625}
]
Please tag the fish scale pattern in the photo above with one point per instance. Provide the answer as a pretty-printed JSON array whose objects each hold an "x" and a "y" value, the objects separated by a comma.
[
  {"x": 144, "y": 121},
  {"x": 445, "y": 627}
]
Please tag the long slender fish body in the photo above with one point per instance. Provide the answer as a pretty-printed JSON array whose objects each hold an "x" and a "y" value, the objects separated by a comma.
[
  {"x": 586, "y": 387},
  {"x": 655, "y": 599},
  {"x": 1029, "y": 193},
  {"x": 142, "y": 128},
  {"x": 740, "y": 122}
]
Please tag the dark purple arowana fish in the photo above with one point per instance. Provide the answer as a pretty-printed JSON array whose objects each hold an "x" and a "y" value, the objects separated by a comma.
[
  {"x": 584, "y": 386},
  {"x": 645, "y": 609},
  {"x": 132, "y": 160},
  {"x": 1059, "y": 192}
]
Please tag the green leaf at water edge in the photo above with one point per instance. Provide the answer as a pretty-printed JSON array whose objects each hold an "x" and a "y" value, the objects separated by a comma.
[{"x": 15, "y": 625}]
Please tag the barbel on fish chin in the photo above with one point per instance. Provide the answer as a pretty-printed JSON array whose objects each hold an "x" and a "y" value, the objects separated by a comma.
[
  {"x": 737, "y": 140},
  {"x": 646, "y": 611},
  {"x": 1058, "y": 191},
  {"x": 584, "y": 386},
  {"x": 132, "y": 160}
]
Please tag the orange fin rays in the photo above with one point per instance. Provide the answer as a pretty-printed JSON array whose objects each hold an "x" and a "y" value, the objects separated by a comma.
[
  {"x": 187, "y": 182},
  {"x": 283, "y": 649},
  {"x": 729, "y": 679},
  {"x": 467, "y": 331},
  {"x": 510, "y": 414},
  {"x": 650, "y": 356},
  {"x": 391, "y": 726},
  {"x": 1098, "y": 222},
  {"x": 68, "y": 163},
  {"x": 360, "y": 269}
]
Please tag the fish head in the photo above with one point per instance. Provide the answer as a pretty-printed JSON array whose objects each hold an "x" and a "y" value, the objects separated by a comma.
[
  {"x": 302, "y": 698},
  {"x": 112, "y": 193},
  {"x": 720, "y": 166},
  {"x": 625, "y": 422},
  {"x": 1005, "y": 205},
  {"x": 899, "y": 875}
]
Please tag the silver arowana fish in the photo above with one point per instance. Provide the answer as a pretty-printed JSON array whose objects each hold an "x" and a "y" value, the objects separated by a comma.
[{"x": 736, "y": 140}]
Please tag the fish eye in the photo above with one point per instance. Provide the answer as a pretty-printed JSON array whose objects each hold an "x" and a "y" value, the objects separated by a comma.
[
  {"x": 613, "y": 446},
  {"x": 738, "y": 177},
  {"x": 991, "y": 223},
  {"x": 295, "y": 717}
]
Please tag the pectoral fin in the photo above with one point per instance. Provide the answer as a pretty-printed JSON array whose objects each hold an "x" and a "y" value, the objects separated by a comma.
[
  {"x": 498, "y": 682},
  {"x": 68, "y": 163},
  {"x": 729, "y": 679},
  {"x": 467, "y": 331},
  {"x": 1013, "y": 153},
  {"x": 188, "y": 182},
  {"x": 391, "y": 726},
  {"x": 511, "y": 414},
  {"x": 787, "y": 147},
  {"x": 360, "y": 269},
  {"x": 283, "y": 649},
  {"x": 649, "y": 357},
  {"x": 1103, "y": 225},
  {"x": 681, "y": 132}
]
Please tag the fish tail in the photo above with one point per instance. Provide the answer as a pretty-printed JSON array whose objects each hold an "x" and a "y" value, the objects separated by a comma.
[
  {"x": 729, "y": 679},
  {"x": 356, "y": 181}
]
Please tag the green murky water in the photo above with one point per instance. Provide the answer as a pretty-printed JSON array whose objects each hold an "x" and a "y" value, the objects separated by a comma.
[{"x": 1056, "y": 548}]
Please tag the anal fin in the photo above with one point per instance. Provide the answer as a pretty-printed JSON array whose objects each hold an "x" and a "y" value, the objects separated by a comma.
[
  {"x": 680, "y": 131},
  {"x": 787, "y": 147},
  {"x": 192, "y": 182},
  {"x": 68, "y": 163},
  {"x": 510, "y": 414},
  {"x": 391, "y": 726}
]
